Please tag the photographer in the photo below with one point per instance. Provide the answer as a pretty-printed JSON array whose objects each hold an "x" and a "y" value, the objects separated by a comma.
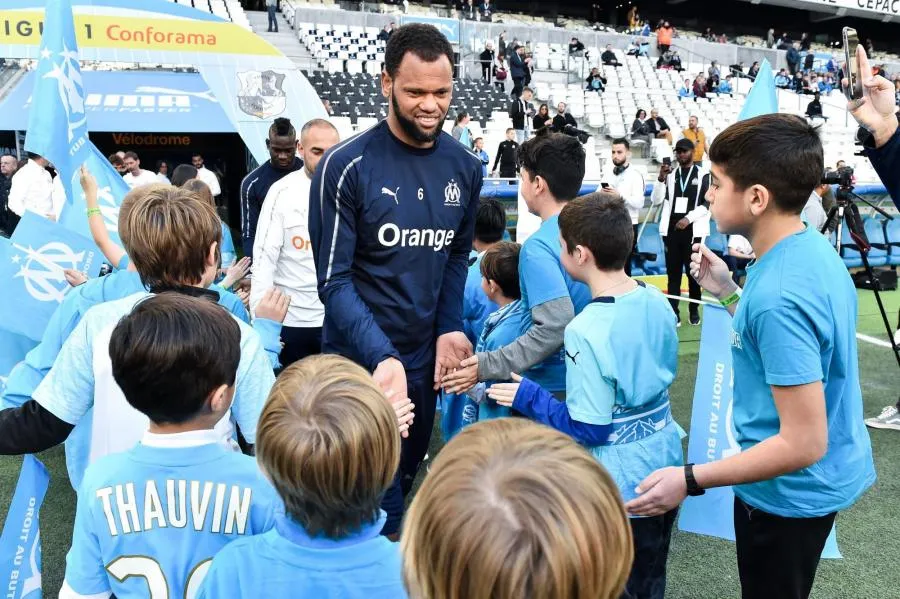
[{"x": 876, "y": 113}]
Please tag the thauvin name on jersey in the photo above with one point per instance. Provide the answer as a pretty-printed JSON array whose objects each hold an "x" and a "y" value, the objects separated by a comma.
[
  {"x": 390, "y": 235},
  {"x": 177, "y": 504}
]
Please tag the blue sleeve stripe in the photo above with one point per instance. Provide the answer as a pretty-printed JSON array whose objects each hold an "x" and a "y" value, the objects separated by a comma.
[{"x": 337, "y": 213}]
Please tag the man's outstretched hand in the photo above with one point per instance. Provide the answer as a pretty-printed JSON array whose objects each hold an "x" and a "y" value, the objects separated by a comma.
[{"x": 452, "y": 349}]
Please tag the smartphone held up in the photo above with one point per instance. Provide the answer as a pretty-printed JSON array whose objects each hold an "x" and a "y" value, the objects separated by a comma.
[{"x": 853, "y": 88}]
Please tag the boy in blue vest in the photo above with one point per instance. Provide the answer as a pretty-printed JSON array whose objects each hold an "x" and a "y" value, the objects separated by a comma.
[
  {"x": 328, "y": 441},
  {"x": 499, "y": 282},
  {"x": 805, "y": 452},
  {"x": 621, "y": 357},
  {"x": 149, "y": 520}
]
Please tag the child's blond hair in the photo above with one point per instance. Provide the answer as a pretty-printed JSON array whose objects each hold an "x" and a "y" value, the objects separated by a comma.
[
  {"x": 329, "y": 442},
  {"x": 513, "y": 509},
  {"x": 167, "y": 233}
]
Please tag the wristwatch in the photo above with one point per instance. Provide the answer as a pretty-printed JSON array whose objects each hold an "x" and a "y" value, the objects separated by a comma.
[{"x": 693, "y": 489}]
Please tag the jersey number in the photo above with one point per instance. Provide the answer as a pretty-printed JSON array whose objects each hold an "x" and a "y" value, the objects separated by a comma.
[
  {"x": 421, "y": 193},
  {"x": 140, "y": 566}
]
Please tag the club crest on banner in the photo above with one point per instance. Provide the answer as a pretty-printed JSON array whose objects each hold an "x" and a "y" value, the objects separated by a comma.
[
  {"x": 43, "y": 269},
  {"x": 262, "y": 93}
]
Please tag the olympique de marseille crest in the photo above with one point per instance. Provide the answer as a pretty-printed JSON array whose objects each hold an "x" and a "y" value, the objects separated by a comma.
[{"x": 43, "y": 269}]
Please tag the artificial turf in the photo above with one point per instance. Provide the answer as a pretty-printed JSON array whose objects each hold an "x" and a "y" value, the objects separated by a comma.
[{"x": 699, "y": 567}]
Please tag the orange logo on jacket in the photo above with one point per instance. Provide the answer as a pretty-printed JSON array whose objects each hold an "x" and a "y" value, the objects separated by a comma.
[{"x": 300, "y": 243}]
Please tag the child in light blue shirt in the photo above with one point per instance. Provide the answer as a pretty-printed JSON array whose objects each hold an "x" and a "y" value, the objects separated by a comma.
[
  {"x": 621, "y": 357},
  {"x": 328, "y": 440},
  {"x": 150, "y": 519}
]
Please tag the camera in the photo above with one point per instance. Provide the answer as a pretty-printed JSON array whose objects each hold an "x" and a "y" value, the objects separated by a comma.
[{"x": 843, "y": 177}]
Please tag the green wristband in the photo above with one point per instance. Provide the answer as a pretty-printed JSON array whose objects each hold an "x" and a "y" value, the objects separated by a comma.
[
  {"x": 731, "y": 299},
  {"x": 92, "y": 211}
]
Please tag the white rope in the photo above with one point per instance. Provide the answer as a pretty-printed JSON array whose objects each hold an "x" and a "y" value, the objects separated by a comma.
[{"x": 874, "y": 341}]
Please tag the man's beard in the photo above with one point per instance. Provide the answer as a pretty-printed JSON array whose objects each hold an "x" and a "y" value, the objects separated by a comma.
[
  {"x": 618, "y": 163},
  {"x": 410, "y": 127}
]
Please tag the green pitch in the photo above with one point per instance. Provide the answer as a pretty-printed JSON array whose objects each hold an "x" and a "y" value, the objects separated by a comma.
[{"x": 699, "y": 567}]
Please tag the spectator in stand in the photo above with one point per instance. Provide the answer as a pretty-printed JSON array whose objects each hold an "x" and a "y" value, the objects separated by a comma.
[
  {"x": 754, "y": 70},
  {"x": 805, "y": 42},
  {"x": 517, "y": 68},
  {"x": 639, "y": 129},
  {"x": 507, "y": 156},
  {"x": 501, "y": 44},
  {"x": 725, "y": 86},
  {"x": 385, "y": 34},
  {"x": 714, "y": 71},
  {"x": 486, "y": 10},
  {"x": 797, "y": 82},
  {"x": 770, "y": 38},
  {"x": 563, "y": 119},
  {"x": 870, "y": 48},
  {"x": 519, "y": 113},
  {"x": 699, "y": 87},
  {"x": 814, "y": 108},
  {"x": 478, "y": 150},
  {"x": 686, "y": 91},
  {"x": 784, "y": 42},
  {"x": 737, "y": 69},
  {"x": 501, "y": 72},
  {"x": 576, "y": 46},
  {"x": 326, "y": 104},
  {"x": 675, "y": 61},
  {"x": 793, "y": 57},
  {"x": 708, "y": 35},
  {"x": 664, "y": 35},
  {"x": 633, "y": 49},
  {"x": 542, "y": 119},
  {"x": 826, "y": 84},
  {"x": 595, "y": 81},
  {"x": 782, "y": 79},
  {"x": 658, "y": 127},
  {"x": 272, "y": 9},
  {"x": 487, "y": 61},
  {"x": 808, "y": 61},
  {"x": 8, "y": 167},
  {"x": 832, "y": 66},
  {"x": 698, "y": 140},
  {"x": 460, "y": 131},
  {"x": 609, "y": 57}
]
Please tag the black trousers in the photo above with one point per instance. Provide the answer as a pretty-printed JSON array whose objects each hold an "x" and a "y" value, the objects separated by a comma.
[
  {"x": 777, "y": 557},
  {"x": 486, "y": 71},
  {"x": 420, "y": 386},
  {"x": 518, "y": 85},
  {"x": 633, "y": 251},
  {"x": 651, "y": 551},
  {"x": 299, "y": 342},
  {"x": 678, "y": 261}
]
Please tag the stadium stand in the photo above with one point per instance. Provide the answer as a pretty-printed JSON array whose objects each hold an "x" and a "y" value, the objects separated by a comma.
[{"x": 230, "y": 10}]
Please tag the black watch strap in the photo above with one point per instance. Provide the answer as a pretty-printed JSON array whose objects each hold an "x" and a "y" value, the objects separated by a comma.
[{"x": 693, "y": 489}]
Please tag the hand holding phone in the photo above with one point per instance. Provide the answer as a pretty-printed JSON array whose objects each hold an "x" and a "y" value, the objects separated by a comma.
[
  {"x": 667, "y": 161},
  {"x": 853, "y": 88},
  {"x": 875, "y": 108}
]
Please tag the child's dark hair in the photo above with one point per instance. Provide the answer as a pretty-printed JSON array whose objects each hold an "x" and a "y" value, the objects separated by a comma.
[
  {"x": 558, "y": 159},
  {"x": 182, "y": 174},
  {"x": 781, "y": 152},
  {"x": 490, "y": 221},
  {"x": 599, "y": 222},
  {"x": 171, "y": 352},
  {"x": 501, "y": 265}
]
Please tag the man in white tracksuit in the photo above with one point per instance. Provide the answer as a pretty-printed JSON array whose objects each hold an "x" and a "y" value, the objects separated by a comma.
[
  {"x": 282, "y": 254},
  {"x": 620, "y": 175}
]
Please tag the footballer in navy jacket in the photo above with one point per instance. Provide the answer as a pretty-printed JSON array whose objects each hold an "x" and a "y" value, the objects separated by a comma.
[{"x": 391, "y": 221}]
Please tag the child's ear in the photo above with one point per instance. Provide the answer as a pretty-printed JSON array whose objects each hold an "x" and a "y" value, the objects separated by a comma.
[
  {"x": 212, "y": 258},
  {"x": 758, "y": 198},
  {"x": 220, "y": 398}
]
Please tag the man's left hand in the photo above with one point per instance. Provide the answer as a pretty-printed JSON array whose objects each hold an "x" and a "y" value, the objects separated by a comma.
[
  {"x": 463, "y": 379},
  {"x": 452, "y": 348},
  {"x": 659, "y": 493},
  {"x": 683, "y": 224}
]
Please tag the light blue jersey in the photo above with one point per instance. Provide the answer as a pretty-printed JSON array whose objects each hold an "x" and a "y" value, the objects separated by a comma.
[
  {"x": 476, "y": 305},
  {"x": 228, "y": 253},
  {"x": 150, "y": 520},
  {"x": 542, "y": 278},
  {"x": 287, "y": 562},
  {"x": 81, "y": 379},
  {"x": 501, "y": 328},
  {"x": 621, "y": 358},
  {"x": 796, "y": 324}
]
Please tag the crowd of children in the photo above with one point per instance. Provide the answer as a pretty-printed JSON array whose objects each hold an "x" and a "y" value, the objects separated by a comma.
[{"x": 581, "y": 507}]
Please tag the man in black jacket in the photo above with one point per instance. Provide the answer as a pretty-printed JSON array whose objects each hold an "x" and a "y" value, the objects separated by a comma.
[
  {"x": 8, "y": 167},
  {"x": 595, "y": 82},
  {"x": 507, "y": 157},
  {"x": 609, "y": 57},
  {"x": 520, "y": 111},
  {"x": 563, "y": 118},
  {"x": 487, "y": 61},
  {"x": 658, "y": 127},
  {"x": 517, "y": 68}
]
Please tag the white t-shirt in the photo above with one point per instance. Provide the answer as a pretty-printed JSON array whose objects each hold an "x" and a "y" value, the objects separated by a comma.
[
  {"x": 282, "y": 252},
  {"x": 630, "y": 185},
  {"x": 32, "y": 189},
  {"x": 209, "y": 177},
  {"x": 143, "y": 178},
  {"x": 740, "y": 243}
]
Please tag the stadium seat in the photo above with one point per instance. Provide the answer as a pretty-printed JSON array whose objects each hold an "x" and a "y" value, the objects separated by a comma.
[
  {"x": 850, "y": 252},
  {"x": 892, "y": 234}
]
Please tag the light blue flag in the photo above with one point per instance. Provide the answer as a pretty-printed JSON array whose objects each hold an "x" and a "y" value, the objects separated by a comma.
[
  {"x": 111, "y": 189},
  {"x": 57, "y": 124},
  {"x": 13, "y": 348},
  {"x": 20, "y": 542},
  {"x": 32, "y": 275},
  {"x": 763, "y": 98},
  {"x": 713, "y": 436}
]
